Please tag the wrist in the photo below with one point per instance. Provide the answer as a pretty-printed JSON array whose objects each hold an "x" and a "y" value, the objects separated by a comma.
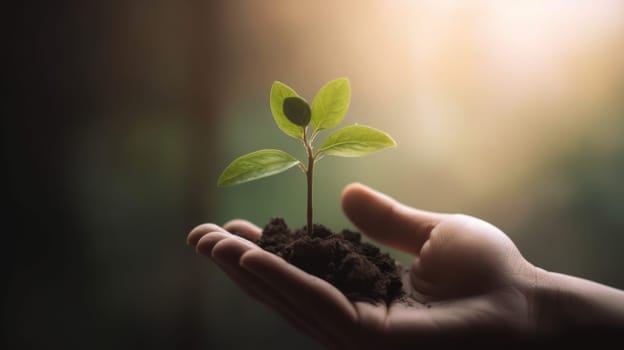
[{"x": 575, "y": 308}]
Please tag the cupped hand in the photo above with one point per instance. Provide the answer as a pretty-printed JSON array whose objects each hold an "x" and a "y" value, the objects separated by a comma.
[{"x": 467, "y": 280}]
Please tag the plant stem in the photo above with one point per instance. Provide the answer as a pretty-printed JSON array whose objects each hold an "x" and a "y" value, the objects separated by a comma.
[{"x": 309, "y": 178}]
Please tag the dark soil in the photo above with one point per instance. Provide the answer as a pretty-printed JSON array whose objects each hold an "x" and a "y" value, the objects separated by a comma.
[{"x": 358, "y": 269}]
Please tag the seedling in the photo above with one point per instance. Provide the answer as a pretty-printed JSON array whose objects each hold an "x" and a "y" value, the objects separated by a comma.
[{"x": 293, "y": 115}]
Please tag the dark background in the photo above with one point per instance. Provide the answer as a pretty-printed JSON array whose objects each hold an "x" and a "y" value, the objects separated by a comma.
[{"x": 118, "y": 117}]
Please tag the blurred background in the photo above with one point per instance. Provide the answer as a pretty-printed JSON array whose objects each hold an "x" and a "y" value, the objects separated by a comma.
[{"x": 120, "y": 115}]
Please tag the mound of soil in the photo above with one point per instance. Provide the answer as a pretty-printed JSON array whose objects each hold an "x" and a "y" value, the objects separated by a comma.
[{"x": 358, "y": 269}]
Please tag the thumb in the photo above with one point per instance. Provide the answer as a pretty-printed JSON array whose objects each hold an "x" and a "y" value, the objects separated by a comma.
[{"x": 387, "y": 221}]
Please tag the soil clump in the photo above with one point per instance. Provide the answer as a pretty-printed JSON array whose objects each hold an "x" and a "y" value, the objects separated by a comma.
[{"x": 358, "y": 269}]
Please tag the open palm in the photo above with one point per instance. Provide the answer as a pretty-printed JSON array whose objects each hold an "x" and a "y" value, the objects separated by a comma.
[{"x": 467, "y": 280}]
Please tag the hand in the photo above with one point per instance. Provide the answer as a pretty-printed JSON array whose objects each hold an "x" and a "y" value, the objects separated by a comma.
[{"x": 467, "y": 278}]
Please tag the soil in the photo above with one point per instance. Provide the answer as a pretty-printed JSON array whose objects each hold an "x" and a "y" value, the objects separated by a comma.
[{"x": 358, "y": 269}]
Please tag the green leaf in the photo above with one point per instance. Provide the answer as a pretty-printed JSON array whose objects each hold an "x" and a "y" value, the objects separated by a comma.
[
  {"x": 331, "y": 104},
  {"x": 279, "y": 92},
  {"x": 297, "y": 110},
  {"x": 256, "y": 165},
  {"x": 356, "y": 141}
]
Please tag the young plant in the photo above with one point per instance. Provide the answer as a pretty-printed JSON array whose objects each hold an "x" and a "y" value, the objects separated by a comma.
[{"x": 293, "y": 115}]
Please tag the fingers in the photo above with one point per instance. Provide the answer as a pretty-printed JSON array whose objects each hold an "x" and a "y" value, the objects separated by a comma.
[
  {"x": 205, "y": 244},
  {"x": 387, "y": 221},
  {"x": 198, "y": 232},
  {"x": 226, "y": 250},
  {"x": 226, "y": 253},
  {"x": 259, "y": 290},
  {"x": 244, "y": 229},
  {"x": 240, "y": 227},
  {"x": 309, "y": 303},
  {"x": 317, "y": 300}
]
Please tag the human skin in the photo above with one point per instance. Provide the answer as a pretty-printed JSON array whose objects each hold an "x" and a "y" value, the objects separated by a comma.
[{"x": 467, "y": 284}]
